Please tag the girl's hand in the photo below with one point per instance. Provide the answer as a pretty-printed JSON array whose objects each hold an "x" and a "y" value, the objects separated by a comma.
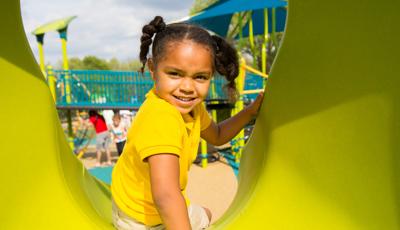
[
  {"x": 254, "y": 107},
  {"x": 221, "y": 133}
]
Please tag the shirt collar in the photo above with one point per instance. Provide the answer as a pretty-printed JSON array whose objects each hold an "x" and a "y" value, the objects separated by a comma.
[{"x": 187, "y": 118}]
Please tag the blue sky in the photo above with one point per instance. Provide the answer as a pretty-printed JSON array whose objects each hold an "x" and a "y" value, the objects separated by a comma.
[{"x": 104, "y": 28}]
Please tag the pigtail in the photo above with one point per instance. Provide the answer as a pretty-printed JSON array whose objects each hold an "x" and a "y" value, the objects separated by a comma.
[
  {"x": 155, "y": 26},
  {"x": 227, "y": 64}
]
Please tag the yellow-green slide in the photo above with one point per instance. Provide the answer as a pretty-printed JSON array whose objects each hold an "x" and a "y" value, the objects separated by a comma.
[{"x": 325, "y": 152}]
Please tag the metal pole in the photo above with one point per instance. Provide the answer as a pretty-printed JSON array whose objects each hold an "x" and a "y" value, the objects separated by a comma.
[
  {"x": 274, "y": 39},
  {"x": 237, "y": 148},
  {"x": 264, "y": 44},
  {"x": 51, "y": 80},
  {"x": 251, "y": 39},
  {"x": 63, "y": 37},
  {"x": 40, "y": 41}
]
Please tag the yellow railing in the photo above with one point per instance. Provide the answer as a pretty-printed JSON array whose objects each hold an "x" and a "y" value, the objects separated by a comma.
[{"x": 239, "y": 105}]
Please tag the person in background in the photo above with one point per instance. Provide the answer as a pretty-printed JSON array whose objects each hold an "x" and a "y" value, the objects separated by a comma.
[
  {"x": 118, "y": 132},
  {"x": 126, "y": 117},
  {"x": 103, "y": 138}
]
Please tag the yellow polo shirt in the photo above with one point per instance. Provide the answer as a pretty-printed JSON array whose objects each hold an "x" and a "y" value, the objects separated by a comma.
[{"x": 158, "y": 128}]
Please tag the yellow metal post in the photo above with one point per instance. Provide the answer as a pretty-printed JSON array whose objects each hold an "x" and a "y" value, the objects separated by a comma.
[
  {"x": 51, "y": 80},
  {"x": 214, "y": 95},
  {"x": 273, "y": 29},
  {"x": 64, "y": 52},
  {"x": 238, "y": 107},
  {"x": 214, "y": 115},
  {"x": 40, "y": 41},
  {"x": 251, "y": 39},
  {"x": 204, "y": 160},
  {"x": 204, "y": 150},
  {"x": 63, "y": 37},
  {"x": 264, "y": 44},
  {"x": 240, "y": 22}
]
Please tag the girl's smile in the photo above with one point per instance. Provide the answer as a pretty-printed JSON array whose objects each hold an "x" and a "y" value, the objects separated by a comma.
[{"x": 183, "y": 76}]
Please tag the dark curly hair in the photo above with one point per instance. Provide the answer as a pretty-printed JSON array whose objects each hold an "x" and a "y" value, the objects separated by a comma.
[{"x": 225, "y": 55}]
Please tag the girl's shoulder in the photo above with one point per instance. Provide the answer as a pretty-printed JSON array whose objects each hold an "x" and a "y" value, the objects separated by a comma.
[
  {"x": 157, "y": 114},
  {"x": 157, "y": 105}
]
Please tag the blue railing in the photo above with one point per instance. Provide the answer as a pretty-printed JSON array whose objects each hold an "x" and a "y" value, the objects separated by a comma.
[
  {"x": 112, "y": 89},
  {"x": 252, "y": 81}
]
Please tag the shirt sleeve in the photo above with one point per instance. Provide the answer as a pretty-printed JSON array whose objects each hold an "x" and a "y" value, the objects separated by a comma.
[
  {"x": 158, "y": 134},
  {"x": 92, "y": 119},
  {"x": 205, "y": 119}
]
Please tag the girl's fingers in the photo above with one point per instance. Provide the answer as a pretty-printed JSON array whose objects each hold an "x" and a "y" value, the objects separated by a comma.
[
  {"x": 259, "y": 98},
  {"x": 255, "y": 106}
]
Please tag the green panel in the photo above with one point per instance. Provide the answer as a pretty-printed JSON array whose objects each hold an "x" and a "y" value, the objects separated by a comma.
[
  {"x": 43, "y": 185},
  {"x": 325, "y": 150},
  {"x": 56, "y": 25}
]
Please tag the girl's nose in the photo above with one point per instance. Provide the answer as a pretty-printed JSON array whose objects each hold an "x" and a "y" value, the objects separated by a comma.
[{"x": 186, "y": 85}]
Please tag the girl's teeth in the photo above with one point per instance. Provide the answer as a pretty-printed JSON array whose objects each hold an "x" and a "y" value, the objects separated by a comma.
[{"x": 183, "y": 98}]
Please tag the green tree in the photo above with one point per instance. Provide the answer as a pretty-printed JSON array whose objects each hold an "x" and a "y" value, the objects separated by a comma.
[
  {"x": 128, "y": 65},
  {"x": 199, "y": 5},
  {"x": 95, "y": 63},
  {"x": 75, "y": 63},
  {"x": 133, "y": 64},
  {"x": 114, "y": 64}
]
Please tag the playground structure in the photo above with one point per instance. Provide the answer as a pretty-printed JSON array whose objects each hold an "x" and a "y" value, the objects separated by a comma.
[
  {"x": 97, "y": 89},
  {"x": 61, "y": 26},
  {"x": 263, "y": 18},
  {"x": 324, "y": 153},
  {"x": 124, "y": 90},
  {"x": 104, "y": 89}
]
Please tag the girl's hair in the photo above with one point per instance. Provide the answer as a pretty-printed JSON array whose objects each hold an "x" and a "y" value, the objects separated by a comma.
[
  {"x": 92, "y": 113},
  {"x": 117, "y": 116},
  {"x": 225, "y": 55}
]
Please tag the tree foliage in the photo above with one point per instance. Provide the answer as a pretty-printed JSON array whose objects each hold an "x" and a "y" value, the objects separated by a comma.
[
  {"x": 95, "y": 63},
  {"x": 199, "y": 5}
]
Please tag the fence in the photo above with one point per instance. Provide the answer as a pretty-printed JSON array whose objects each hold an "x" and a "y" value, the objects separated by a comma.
[{"x": 102, "y": 89}]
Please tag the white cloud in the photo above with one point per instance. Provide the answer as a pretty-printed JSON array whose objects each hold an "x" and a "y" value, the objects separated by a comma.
[{"x": 104, "y": 28}]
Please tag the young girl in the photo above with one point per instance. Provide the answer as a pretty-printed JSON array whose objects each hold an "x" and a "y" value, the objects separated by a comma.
[
  {"x": 149, "y": 181},
  {"x": 118, "y": 132}
]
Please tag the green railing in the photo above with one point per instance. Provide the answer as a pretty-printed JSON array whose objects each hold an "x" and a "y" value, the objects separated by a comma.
[{"x": 101, "y": 89}]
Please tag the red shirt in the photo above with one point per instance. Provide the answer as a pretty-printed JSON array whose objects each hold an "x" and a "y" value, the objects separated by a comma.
[{"x": 99, "y": 123}]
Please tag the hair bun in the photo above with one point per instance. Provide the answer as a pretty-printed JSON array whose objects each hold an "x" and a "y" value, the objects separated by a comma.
[{"x": 158, "y": 23}]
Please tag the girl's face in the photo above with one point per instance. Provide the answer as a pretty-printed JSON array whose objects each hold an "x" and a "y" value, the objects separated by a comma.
[{"x": 182, "y": 77}]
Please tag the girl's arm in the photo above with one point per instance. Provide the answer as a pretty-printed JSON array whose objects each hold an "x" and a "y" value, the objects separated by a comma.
[
  {"x": 219, "y": 134},
  {"x": 165, "y": 188}
]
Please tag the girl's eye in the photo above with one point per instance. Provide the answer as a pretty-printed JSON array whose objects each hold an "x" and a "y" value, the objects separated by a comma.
[
  {"x": 202, "y": 77},
  {"x": 173, "y": 73}
]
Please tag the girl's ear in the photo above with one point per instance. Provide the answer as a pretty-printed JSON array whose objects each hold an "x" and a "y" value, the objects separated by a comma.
[{"x": 150, "y": 64}]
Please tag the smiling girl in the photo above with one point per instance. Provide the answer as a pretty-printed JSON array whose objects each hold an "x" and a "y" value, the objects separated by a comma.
[{"x": 149, "y": 180}]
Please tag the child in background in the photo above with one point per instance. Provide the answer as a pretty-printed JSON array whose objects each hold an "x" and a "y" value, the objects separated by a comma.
[
  {"x": 149, "y": 180},
  {"x": 102, "y": 136},
  {"x": 118, "y": 132},
  {"x": 126, "y": 117}
]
